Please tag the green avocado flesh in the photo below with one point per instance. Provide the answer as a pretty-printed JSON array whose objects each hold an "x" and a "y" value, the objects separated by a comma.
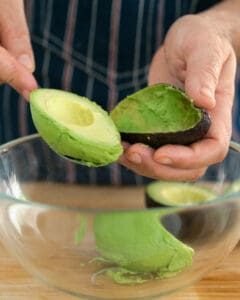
[
  {"x": 75, "y": 127},
  {"x": 178, "y": 194},
  {"x": 139, "y": 247},
  {"x": 158, "y": 108}
]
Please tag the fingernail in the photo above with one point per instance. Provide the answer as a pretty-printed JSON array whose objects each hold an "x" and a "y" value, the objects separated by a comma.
[
  {"x": 135, "y": 158},
  {"x": 164, "y": 160},
  {"x": 25, "y": 94},
  {"x": 26, "y": 61}
]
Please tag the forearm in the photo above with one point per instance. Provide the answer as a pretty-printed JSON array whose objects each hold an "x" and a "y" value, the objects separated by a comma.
[{"x": 226, "y": 16}]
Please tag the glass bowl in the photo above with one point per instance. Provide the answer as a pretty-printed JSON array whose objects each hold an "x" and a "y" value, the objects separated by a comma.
[{"x": 101, "y": 242}]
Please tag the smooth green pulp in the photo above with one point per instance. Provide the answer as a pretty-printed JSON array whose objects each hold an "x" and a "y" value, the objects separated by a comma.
[
  {"x": 173, "y": 193},
  {"x": 139, "y": 246},
  {"x": 75, "y": 126},
  {"x": 155, "y": 109}
]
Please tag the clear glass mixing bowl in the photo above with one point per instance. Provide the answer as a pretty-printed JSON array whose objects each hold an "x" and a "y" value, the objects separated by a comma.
[{"x": 77, "y": 237}]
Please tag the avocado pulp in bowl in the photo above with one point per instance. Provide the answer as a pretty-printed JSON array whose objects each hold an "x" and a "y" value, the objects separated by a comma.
[
  {"x": 140, "y": 248},
  {"x": 102, "y": 242},
  {"x": 161, "y": 193}
]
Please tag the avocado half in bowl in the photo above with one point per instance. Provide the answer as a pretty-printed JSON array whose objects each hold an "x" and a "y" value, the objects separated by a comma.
[
  {"x": 158, "y": 115},
  {"x": 162, "y": 193},
  {"x": 77, "y": 128},
  {"x": 186, "y": 226}
]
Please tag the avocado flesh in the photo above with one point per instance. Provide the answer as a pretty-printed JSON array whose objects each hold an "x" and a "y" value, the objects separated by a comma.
[
  {"x": 139, "y": 246},
  {"x": 160, "y": 114},
  {"x": 161, "y": 193},
  {"x": 76, "y": 127}
]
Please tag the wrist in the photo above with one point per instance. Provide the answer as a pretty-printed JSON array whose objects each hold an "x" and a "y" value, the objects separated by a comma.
[{"x": 225, "y": 18}]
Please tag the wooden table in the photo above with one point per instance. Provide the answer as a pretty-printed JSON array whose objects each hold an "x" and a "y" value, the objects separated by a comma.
[
  {"x": 17, "y": 284},
  {"x": 222, "y": 283}
]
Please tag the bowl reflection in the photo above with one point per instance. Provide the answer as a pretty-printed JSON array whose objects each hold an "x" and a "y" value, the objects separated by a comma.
[{"x": 101, "y": 242}]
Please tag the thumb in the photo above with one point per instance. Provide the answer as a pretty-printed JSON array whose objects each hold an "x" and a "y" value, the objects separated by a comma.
[
  {"x": 14, "y": 34},
  {"x": 202, "y": 75}
]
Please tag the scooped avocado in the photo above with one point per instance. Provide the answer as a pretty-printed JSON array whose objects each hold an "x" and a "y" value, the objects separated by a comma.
[
  {"x": 75, "y": 127},
  {"x": 158, "y": 115},
  {"x": 139, "y": 246},
  {"x": 160, "y": 193}
]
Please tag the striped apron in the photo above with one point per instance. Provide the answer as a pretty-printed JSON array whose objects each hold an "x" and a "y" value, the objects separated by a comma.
[{"x": 97, "y": 48}]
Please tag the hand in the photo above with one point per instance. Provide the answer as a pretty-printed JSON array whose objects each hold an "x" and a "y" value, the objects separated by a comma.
[
  {"x": 16, "y": 56},
  {"x": 197, "y": 58}
]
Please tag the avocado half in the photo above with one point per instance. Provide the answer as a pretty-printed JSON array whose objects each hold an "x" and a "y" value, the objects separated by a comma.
[
  {"x": 158, "y": 115},
  {"x": 75, "y": 127},
  {"x": 139, "y": 246},
  {"x": 160, "y": 193}
]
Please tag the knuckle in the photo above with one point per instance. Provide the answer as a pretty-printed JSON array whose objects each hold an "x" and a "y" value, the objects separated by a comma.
[
  {"x": 7, "y": 67},
  {"x": 211, "y": 72},
  {"x": 222, "y": 145},
  {"x": 11, "y": 71},
  {"x": 133, "y": 148},
  {"x": 222, "y": 152}
]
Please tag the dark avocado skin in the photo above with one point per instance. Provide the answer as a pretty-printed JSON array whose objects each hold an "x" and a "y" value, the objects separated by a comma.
[
  {"x": 186, "y": 137},
  {"x": 198, "y": 227},
  {"x": 150, "y": 203}
]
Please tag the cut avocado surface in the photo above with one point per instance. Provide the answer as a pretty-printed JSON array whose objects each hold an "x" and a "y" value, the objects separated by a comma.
[
  {"x": 139, "y": 247},
  {"x": 160, "y": 193},
  {"x": 158, "y": 115},
  {"x": 75, "y": 127}
]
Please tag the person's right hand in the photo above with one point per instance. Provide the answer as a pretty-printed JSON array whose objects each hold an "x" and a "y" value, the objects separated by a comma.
[{"x": 16, "y": 55}]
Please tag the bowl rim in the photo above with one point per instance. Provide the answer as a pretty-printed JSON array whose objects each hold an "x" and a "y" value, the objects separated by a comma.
[{"x": 220, "y": 199}]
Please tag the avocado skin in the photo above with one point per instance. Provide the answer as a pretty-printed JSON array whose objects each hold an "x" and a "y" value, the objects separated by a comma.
[
  {"x": 158, "y": 139},
  {"x": 150, "y": 203},
  {"x": 192, "y": 224}
]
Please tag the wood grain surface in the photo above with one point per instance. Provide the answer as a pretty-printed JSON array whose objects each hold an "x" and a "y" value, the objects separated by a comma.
[
  {"x": 222, "y": 283},
  {"x": 17, "y": 284}
]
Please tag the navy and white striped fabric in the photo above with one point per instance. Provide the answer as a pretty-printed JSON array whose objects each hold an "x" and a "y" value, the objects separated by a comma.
[{"x": 97, "y": 48}]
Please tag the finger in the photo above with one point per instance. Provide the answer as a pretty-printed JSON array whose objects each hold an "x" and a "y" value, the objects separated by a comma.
[
  {"x": 15, "y": 35},
  {"x": 205, "y": 152},
  {"x": 159, "y": 70},
  {"x": 198, "y": 155},
  {"x": 214, "y": 148},
  {"x": 15, "y": 74},
  {"x": 202, "y": 75},
  {"x": 148, "y": 167}
]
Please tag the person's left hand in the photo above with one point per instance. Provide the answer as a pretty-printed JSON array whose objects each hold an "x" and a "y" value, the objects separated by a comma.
[{"x": 198, "y": 58}]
